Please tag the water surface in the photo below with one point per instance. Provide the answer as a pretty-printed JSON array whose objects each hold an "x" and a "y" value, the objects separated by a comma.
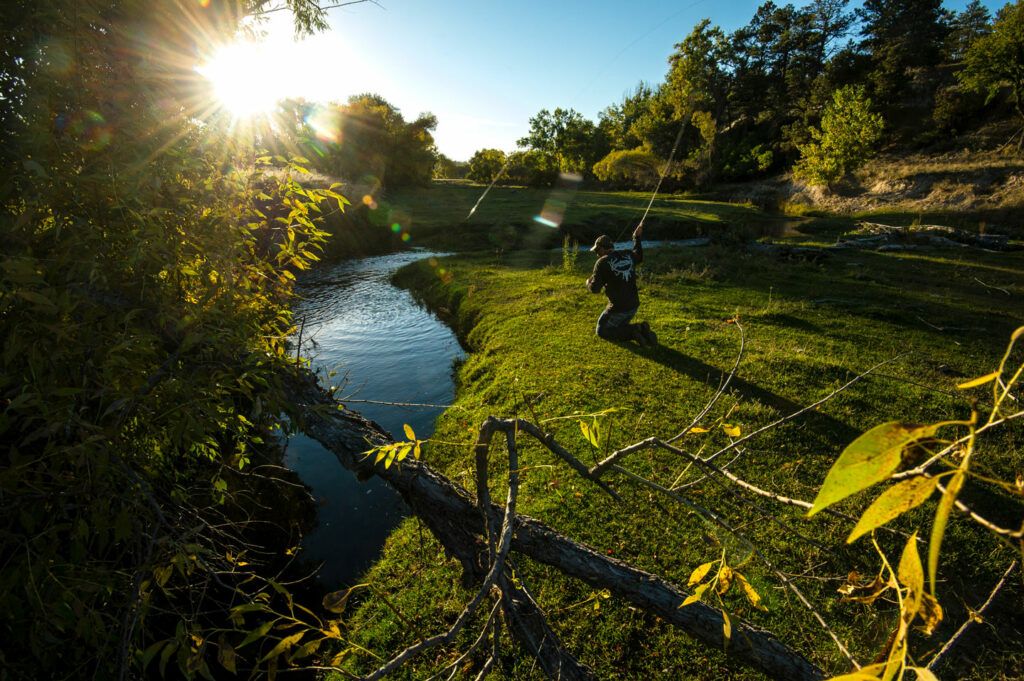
[{"x": 384, "y": 348}]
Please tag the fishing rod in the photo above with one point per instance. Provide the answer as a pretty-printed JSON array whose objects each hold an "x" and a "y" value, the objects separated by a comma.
[{"x": 657, "y": 187}]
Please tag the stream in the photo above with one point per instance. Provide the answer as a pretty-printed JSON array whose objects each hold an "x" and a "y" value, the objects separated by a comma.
[{"x": 384, "y": 348}]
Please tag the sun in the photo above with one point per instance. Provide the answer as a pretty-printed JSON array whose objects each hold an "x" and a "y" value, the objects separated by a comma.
[{"x": 246, "y": 79}]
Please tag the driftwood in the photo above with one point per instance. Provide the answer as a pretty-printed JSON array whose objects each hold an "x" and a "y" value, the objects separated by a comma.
[
  {"x": 468, "y": 533},
  {"x": 878, "y": 237}
]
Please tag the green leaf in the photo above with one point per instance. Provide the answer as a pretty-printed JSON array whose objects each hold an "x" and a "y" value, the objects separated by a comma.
[
  {"x": 258, "y": 632},
  {"x": 893, "y": 502},
  {"x": 939, "y": 526},
  {"x": 151, "y": 652},
  {"x": 306, "y": 650},
  {"x": 336, "y": 600},
  {"x": 590, "y": 435},
  {"x": 871, "y": 458},
  {"x": 226, "y": 655}
]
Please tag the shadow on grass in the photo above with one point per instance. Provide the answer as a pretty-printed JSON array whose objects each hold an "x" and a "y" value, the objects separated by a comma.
[{"x": 713, "y": 377}]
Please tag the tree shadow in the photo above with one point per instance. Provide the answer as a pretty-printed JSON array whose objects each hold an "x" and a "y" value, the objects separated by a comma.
[{"x": 713, "y": 377}]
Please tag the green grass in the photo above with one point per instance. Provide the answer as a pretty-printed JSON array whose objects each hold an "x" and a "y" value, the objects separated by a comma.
[
  {"x": 529, "y": 329},
  {"x": 439, "y": 216}
]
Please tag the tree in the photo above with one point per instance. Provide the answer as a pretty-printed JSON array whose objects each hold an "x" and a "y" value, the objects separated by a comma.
[
  {"x": 634, "y": 168},
  {"x": 147, "y": 261},
  {"x": 847, "y": 138},
  {"x": 366, "y": 137},
  {"x": 696, "y": 81},
  {"x": 575, "y": 141},
  {"x": 901, "y": 36},
  {"x": 618, "y": 121},
  {"x": 485, "y": 165},
  {"x": 967, "y": 26},
  {"x": 998, "y": 58}
]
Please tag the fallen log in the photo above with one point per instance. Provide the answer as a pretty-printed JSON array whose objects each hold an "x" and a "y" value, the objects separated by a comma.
[{"x": 450, "y": 513}]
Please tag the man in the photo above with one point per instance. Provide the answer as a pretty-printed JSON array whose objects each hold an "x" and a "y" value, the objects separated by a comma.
[{"x": 615, "y": 272}]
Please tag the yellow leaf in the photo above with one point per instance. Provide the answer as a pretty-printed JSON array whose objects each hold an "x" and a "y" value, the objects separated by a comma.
[
  {"x": 1017, "y": 334},
  {"x": 724, "y": 579},
  {"x": 730, "y": 430},
  {"x": 749, "y": 592},
  {"x": 409, "y": 432},
  {"x": 930, "y": 612},
  {"x": 987, "y": 378},
  {"x": 869, "y": 459},
  {"x": 726, "y": 629},
  {"x": 699, "y": 574},
  {"x": 698, "y": 429},
  {"x": 697, "y": 594},
  {"x": 893, "y": 502},
  {"x": 911, "y": 575},
  {"x": 939, "y": 525}
]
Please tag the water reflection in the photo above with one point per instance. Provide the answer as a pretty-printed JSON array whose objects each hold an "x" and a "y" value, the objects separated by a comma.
[{"x": 384, "y": 348}]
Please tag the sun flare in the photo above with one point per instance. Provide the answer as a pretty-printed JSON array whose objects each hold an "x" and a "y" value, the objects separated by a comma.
[{"x": 246, "y": 78}]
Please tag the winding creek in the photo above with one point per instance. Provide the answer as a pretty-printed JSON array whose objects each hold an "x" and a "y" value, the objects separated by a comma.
[{"x": 384, "y": 348}]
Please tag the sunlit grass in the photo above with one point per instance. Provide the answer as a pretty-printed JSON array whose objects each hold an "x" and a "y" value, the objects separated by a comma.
[{"x": 809, "y": 328}]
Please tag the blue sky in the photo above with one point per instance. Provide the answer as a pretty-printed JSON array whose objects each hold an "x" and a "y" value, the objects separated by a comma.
[{"x": 485, "y": 67}]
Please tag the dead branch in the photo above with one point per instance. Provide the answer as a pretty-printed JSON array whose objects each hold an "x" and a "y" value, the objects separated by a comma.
[
  {"x": 454, "y": 519},
  {"x": 975, "y": 617}
]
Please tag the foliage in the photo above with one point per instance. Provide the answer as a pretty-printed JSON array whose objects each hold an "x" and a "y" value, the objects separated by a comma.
[
  {"x": 366, "y": 138},
  {"x": 847, "y": 138},
  {"x": 531, "y": 168},
  {"x": 634, "y": 168},
  {"x": 148, "y": 260},
  {"x": 574, "y": 141},
  {"x": 901, "y": 36},
  {"x": 998, "y": 58},
  {"x": 879, "y": 455},
  {"x": 804, "y": 340},
  {"x": 486, "y": 165}
]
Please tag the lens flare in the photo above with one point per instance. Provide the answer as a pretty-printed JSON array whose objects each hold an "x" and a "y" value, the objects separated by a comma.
[
  {"x": 553, "y": 212},
  {"x": 88, "y": 128},
  {"x": 325, "y": 124}
]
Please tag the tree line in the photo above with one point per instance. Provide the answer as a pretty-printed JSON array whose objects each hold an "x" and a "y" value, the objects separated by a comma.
[{"x": 820, "y": 87}]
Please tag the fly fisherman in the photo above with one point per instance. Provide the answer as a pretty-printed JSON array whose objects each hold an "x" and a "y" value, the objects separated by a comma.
[{"x": 615, "y": 272}]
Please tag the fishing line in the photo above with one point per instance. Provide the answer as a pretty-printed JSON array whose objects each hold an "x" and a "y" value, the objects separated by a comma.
[
  {"x": 497, "y": 177},
  {"x": 664, "y": 171},
  {"x": 584, "y": 89},
  {"x": 630, "y": 45}
]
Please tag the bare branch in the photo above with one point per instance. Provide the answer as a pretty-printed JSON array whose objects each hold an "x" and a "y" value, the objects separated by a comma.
[{"x": 937, "y": 660}]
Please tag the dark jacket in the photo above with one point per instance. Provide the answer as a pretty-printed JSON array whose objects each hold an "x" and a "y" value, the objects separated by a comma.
[{"x": 616, "y": 274}]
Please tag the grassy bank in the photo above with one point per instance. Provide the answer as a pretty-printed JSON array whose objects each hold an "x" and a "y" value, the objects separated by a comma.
[
  {"x": 442, "y": 216},
  {"x": 809, "y": 328}
]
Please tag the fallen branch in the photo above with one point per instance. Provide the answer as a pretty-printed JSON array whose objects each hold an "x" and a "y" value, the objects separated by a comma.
[
  {"x": 448, "y": 511},
  {"x": 975, "y": 617}
]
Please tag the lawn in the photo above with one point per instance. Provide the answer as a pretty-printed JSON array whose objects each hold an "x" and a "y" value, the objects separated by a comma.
[
  {"x": 443, "y": 216},
  {"x": 936, "y": 318}
]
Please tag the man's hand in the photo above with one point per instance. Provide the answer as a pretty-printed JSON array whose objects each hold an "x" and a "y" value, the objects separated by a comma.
[{"x": 638, "y": 231}]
